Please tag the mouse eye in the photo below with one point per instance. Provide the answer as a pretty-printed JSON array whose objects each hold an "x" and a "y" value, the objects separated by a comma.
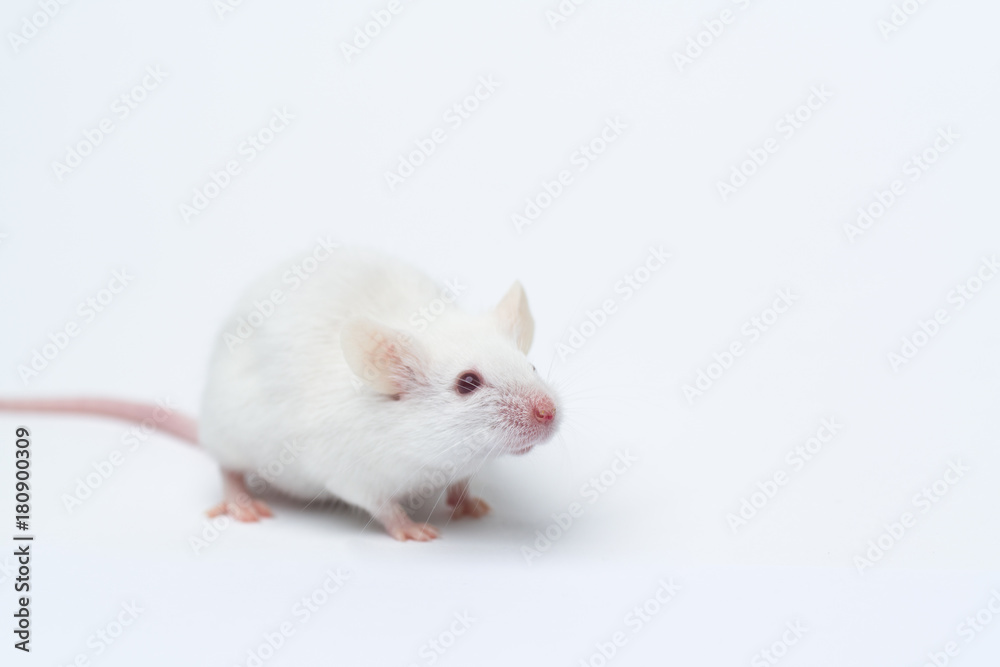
[
  {"x": 468, "y": 382},
  {"x": 533, "y": 368}
]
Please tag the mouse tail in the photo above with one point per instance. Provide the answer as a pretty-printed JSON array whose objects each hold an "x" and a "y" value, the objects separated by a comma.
[{"x": 169, "y": 421}]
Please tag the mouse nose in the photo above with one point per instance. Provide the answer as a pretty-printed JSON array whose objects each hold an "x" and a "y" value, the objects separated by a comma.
[{"x": 545, "y": 410}]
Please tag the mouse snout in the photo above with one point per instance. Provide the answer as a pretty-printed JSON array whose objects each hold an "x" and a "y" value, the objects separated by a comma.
[
  {"x": 544, "y": 410},
  {"x": 531, "y": 419}
]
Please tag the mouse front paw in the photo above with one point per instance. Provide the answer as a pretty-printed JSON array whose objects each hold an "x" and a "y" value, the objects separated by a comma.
[{"x": 463, "y": 504}]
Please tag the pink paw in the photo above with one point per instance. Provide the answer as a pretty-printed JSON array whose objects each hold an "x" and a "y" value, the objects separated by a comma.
[
  {"x": 469, "y": 506},
  {"x": 418, "y": 532},
  {"x": 245, "y": 510}
]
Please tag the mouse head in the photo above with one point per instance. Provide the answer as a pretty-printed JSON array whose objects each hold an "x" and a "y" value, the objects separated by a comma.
[{"x": 465, "y": 380}]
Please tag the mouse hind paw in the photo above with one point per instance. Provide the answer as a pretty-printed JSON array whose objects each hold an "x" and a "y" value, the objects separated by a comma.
[
  {"x": 246, "y": 511},
  {"x": 418, "y": 532},
  {"x": 237, "y": 501},
  {"x": 400, "y": 526}
]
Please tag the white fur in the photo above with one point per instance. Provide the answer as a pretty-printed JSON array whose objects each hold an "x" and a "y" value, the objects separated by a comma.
[{"x": 360, "y": 440}]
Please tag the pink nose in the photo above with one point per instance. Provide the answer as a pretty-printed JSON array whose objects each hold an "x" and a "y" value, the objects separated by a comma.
[{"x": 545, "y": 410}]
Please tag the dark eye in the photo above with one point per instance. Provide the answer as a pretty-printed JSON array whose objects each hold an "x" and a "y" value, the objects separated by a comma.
[{"x": 468, "y": 382}]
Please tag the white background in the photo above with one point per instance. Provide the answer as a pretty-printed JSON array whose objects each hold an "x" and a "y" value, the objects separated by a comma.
[{"x": 656, "y": 185}]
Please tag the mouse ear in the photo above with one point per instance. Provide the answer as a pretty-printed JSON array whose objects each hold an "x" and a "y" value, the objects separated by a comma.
[
  {"x": 388, "y": 359},
  {"x": 514, "y": 317}
]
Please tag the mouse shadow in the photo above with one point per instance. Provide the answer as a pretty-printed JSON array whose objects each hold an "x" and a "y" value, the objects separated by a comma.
[
  {"x": 333, "y": 515},
  {"x": 342, "y": 516}
]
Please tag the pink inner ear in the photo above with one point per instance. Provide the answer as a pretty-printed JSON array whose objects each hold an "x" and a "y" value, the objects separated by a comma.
[{"x": 400, "y": 374}]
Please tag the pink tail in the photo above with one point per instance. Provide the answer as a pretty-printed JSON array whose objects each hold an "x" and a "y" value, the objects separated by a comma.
[{"x": 182, "y": 426}]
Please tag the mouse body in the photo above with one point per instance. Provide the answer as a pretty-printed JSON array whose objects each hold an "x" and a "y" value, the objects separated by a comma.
[
  {"x": 341, "y": 389},
  {"x": 351, "y": 381}
]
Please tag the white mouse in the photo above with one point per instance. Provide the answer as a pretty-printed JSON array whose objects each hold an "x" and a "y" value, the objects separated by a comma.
[{"x": 342, "y": 389}]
